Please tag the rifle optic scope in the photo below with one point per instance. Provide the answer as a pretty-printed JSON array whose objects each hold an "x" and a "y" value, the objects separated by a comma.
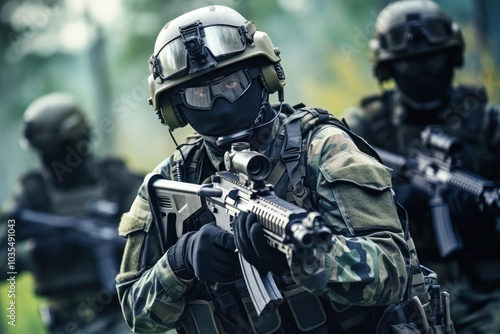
[
  {"x": 242, "y": 160},
  {"x": 433, "y": 137}
]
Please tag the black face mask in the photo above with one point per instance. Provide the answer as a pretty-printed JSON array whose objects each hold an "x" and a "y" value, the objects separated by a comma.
[
  {"x": 424, "y": 80},
  {"x": 225, "y": 117},
  {"x": 69, "y": 168}
]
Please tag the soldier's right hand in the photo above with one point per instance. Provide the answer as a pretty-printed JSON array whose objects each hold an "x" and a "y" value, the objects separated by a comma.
[{"x": 209, "y": 254}]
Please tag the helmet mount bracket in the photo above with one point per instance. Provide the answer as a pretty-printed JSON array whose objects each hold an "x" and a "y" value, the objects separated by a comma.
[
  {"x": 245, "y": 35},
  {"x": 199, "y": 57},
  {"x": 156, "y": 69},
  {"x": 415, "y": 35}
]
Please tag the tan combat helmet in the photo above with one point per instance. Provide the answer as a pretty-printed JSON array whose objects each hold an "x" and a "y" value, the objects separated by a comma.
[
  {"x": 202, "y": 41},
  {"x": 409, "y": 28}
]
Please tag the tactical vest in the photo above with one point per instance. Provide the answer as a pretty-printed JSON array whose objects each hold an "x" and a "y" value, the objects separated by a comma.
[
  {"x": 56, "y": 270},
  {"x": 304, "y": 312},
  {"x": 464, "y": 117}
]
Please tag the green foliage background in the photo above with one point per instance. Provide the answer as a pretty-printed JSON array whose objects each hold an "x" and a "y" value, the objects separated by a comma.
[{"x": 98, "y": 51}]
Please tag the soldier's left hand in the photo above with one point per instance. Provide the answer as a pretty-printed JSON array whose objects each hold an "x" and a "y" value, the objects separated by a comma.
[{"x": 252, "y": 244}]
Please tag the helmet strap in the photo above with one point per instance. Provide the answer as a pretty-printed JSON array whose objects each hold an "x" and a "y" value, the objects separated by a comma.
[{"x": 181, "y": 166}]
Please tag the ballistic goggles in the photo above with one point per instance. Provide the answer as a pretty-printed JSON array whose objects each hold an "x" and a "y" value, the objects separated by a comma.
[
  {"x": 231, "y": 88},
  {"x": 412, "y": 67},
  {"x": 222, "y": 41},
  {"x": 400, "y": 38}
]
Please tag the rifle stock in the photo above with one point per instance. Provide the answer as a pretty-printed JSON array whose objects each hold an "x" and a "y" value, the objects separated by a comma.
[{"x": 285, "y": 225}]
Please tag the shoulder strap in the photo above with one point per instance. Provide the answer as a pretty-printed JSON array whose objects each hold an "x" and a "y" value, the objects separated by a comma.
[
  {"x": 290, "y": 157},
  {"x": 293, "y": 159}
]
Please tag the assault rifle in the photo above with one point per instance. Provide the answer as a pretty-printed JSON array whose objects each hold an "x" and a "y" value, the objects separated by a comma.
[
  {"x": 241, "y": 188},
  {"x": 435, "y": 166},
  {"x": 99, "y": 229}
]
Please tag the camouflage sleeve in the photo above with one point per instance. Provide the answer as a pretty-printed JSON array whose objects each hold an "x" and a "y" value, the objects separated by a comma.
[
  {"x": 353, "y": 193},
  {"x": 150, "y": 294}
]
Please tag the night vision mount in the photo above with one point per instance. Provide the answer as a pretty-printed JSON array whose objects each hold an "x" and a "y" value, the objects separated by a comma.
[{"x": 199, "y": 57}]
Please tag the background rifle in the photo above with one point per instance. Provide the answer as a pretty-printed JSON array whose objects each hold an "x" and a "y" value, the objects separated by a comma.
[
  {"x": 433, "y": 167},
  {"x": 99, "y": 230},
  {"x": 241, "y": 188}
]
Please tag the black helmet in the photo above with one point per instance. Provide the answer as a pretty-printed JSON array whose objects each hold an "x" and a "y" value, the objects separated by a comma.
[
  {"x": 409, "y": 28},
  {"x": 51, "y": 121},
  {"x": 202, "y": 41}
]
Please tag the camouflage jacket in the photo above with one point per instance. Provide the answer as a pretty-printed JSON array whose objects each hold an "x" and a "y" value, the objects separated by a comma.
[{"x": 352, "y": 190}]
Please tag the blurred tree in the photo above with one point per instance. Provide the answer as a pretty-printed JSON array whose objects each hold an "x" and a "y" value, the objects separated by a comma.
[{"x": 487, "y": 32}]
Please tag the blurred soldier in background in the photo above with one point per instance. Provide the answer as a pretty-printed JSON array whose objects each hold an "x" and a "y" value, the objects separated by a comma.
[
  {"x": 65, "y": 217},
  {"x": 419, "y": 46}
]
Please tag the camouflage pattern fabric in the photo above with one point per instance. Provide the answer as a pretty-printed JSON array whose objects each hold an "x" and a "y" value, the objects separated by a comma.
[
  {"x": 472, "y": 279},
  {"x": 365, "y": 267}
]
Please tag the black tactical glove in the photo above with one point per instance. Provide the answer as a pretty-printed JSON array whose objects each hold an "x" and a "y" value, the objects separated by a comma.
[
  {"x": 252, "y": 244},
  {"x": 208, "y": 254}
]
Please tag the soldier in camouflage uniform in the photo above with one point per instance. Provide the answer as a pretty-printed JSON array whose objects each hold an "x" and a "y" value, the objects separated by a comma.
[
  {"x": 212, "y": 69},
  {"x": 419, "y": 46},
  {"x": 66, "y": 217}
]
